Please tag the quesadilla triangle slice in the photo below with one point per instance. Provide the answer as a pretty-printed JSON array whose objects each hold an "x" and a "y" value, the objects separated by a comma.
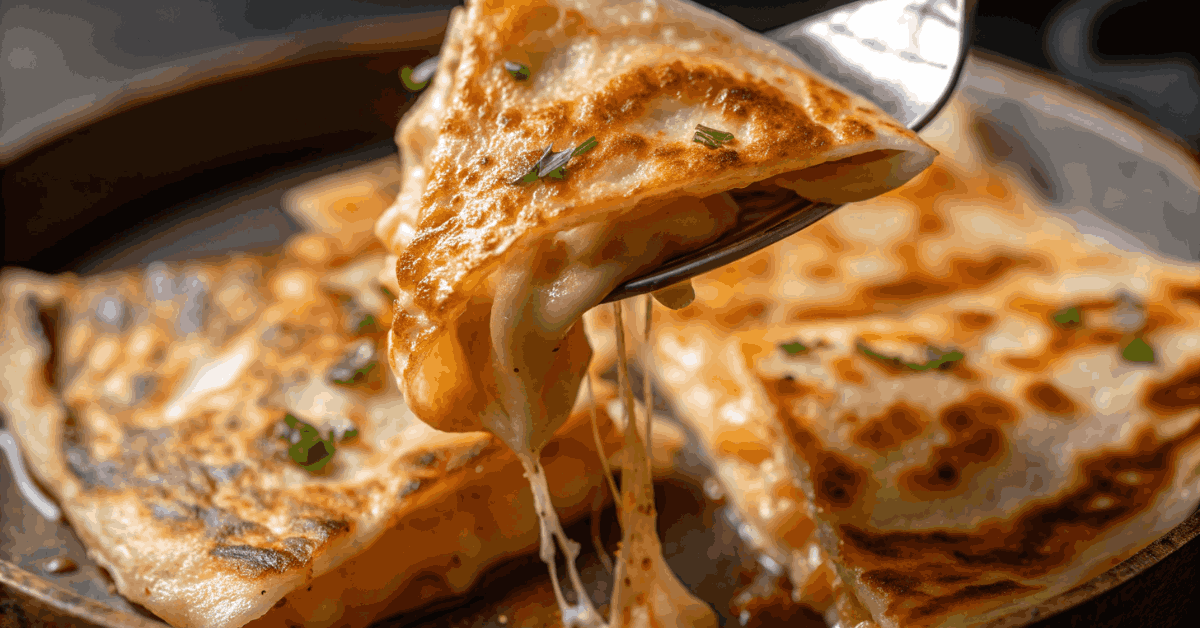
[
  {"x": 576, "y": 147},
  {"x": 222, "y": 437}
]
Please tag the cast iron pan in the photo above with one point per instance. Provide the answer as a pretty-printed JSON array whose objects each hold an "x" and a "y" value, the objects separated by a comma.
[{"x": 195, "y": 161}]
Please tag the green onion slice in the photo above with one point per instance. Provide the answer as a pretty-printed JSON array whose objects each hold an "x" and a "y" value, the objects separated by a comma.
[
  {"x": 1068, "y": 318},
  {"x": 710, "y": 137},
  {"x": 409, "y": 83},
  {"x": 1138, "y": 350},
  {"x": 942, "y": 358},
  {"x": 518, "y": 71}
]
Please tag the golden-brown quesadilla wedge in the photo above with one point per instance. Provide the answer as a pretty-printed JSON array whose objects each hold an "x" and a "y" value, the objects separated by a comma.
[
  {"x": 979, "y": 407},
  {"x": 156, "y": 408},
  {"x": 639, "y": 78},
  {"x": 660, "y": 113}
]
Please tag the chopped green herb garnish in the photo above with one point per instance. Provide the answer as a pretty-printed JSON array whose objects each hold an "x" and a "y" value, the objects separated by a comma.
[
  {"x": 1138, "y": 351},
  {"x": 349, "y": 434},
  {"x": 552, "y": 164},
  {"x": 587, "y": 145},
  {"x": 794, "y": 348},
  {"x": 518, "y": 71},
  {"x": 711, "y": 138},
  {"x": 346, "y": 376},
  {"x": 387, "y": 293},
  {"x": 355, "y": 365},
  {"x": 409, "y": 83},
  {"x": 943, "y": 358},
  {"x": 1068, "y": 318},
  {"x": 366, "y": 324},
  {"x": 307, "y": 448}
]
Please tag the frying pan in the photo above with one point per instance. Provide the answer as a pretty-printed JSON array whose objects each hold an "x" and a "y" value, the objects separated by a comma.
[{"x": 194, "y": 160}]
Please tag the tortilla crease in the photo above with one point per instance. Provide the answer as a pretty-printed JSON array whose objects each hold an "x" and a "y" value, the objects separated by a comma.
[
  {"x": 966, "y": 404},
  {"x": 152, "y": 404},
  {"x": 638, "y": 77}
]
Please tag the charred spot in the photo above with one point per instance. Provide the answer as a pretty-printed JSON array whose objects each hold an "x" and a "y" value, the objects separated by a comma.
[
  {"x": 838, "y": 481},
  {"x": 176, "y": 512},
  {"x": 1177, "y": 395},
  {"x": 891, "y": 429},
  {"x": 853, "y": 129},
  {"x": 90, "y": 472},
  {"x": 891, "y": 581},
  {"x": 632, "y": 143},
  {"x": 967, "y": 595},
  {"x": 846, "y": 371},
  {"x": 741, "y": 313},
  {"x": 964, "y": 273},
  {"x": 253, "y": 561},
  {"x": 978, "y": 409},
  {"x": 931, "y": 183},
  {"x": 1185, "y": 293},
  {"x": 1047, "y": 397},
  {"x": 947, "y": 473},
  {"x": 221, "y": 523},
  {"x": 974, "y": 439},
  {"x": 930, "y": 222},
  {"x": 974, "y": 321},
  {"x": 952, "y": 578},
  {"x": 760, "y": 267},
  {"x": 822, "y": 271}
]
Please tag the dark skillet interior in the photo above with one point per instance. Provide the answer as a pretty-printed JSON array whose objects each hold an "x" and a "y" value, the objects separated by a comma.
[
  {"x": 172, "y": 177},
  {"x": 66, "y": 200}
]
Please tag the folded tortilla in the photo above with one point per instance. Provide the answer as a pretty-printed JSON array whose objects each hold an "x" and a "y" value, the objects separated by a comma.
[
  {"x": 961, "y": 402},
  {"x": 639, "y": 77}
]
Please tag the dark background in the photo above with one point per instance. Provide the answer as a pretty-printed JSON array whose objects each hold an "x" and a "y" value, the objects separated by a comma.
[{"x": 1145, "y": 50}]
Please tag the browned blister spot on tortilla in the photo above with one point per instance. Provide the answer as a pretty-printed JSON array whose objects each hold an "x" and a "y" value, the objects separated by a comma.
[
  {"x": 963, "y": 273},
  {"x": 741, "y": 312},
  {"x": 760, "y": 265},
  {"x": 891, "y": 429},
  {"x": 935, "y": 181},
  {"x": 1184, "y": 292},
  {"x": 838, "y": 480},
  {"x": 1046, "y": 396},
  {"x": 822, "y": 273},
  {"x": 1177, "y": 394},
  {"x": 853, "y": 129},
  {"x": 969, "y": 596},
  {"x": 971, "y": 322},
  {"x": 844, "y": 367},
  {"x": 974, "y": 439},
  {"x": 825, "y": 104}
]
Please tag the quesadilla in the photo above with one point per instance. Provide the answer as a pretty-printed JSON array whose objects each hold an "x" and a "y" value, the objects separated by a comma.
[
  {"x": 225, "y": 439},
  {"x": 663, "y": 115},
  {"x": 976, "y": 406}
]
